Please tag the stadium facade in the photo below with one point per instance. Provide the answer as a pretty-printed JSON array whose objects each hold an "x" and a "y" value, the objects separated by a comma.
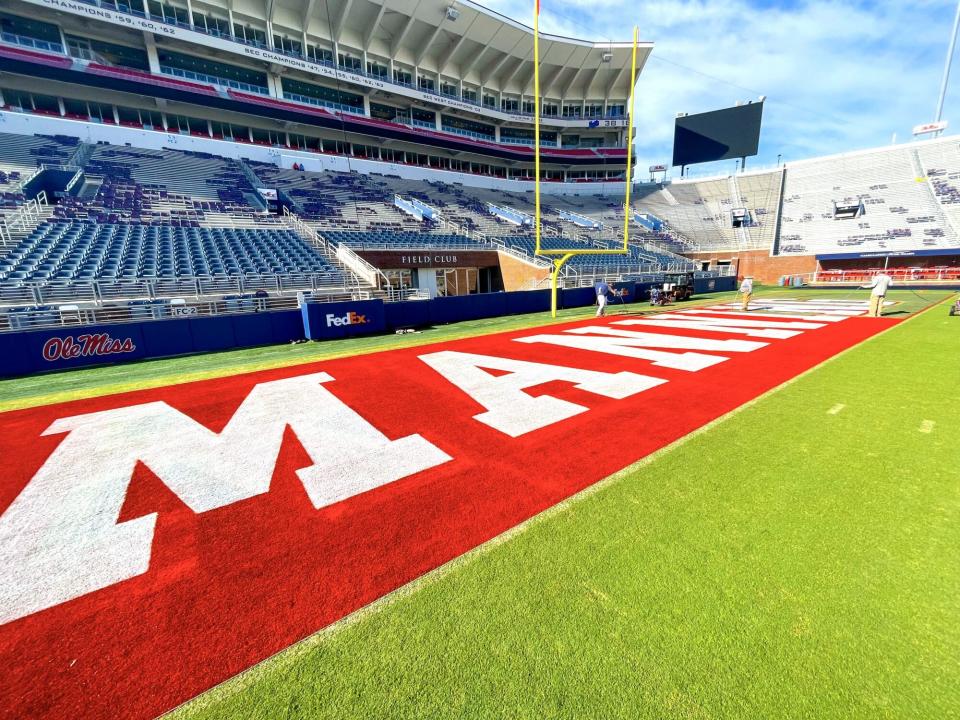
[{"x": 429, "y": 85}]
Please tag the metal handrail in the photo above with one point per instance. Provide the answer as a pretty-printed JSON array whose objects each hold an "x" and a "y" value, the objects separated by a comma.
[
  {"x": 80, "y": 314},
  {"x": 27, "y": 214},
  {"x": 327, "y": 249},
  {"x": 101, "y": 292}
]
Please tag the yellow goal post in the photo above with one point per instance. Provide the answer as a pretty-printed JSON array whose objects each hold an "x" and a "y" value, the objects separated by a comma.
[{"x": 564, "y": 254}]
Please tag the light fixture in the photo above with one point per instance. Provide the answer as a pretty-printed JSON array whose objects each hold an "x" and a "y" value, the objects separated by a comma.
[
  {"x": 606, "y": 57},
  {"x": 452, "y": 13}
]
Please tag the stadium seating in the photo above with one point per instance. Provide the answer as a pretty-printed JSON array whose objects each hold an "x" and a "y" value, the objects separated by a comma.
[
  {"x": 84, "y": 251},
  {"x": 20, "y": 155},
  {"x": 392, "y": 240},
  {"x": 335, "y": 202},
  {"x": 163, "y": 213},
  {"x": 900, "y": 204},
  {"x": 910, "y": 195},
  {"x": 698, "y": 212},
  {"x": 939, "y": 163},
  {"x": 641, "y": 260}
]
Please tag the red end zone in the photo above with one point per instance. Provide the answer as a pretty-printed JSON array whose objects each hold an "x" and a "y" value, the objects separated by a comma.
[{"x": 232, "y": 571}]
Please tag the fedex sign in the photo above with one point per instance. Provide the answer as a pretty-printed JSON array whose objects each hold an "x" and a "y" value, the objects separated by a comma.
[
  {"x": 351, "y": 318},
  {"x": 322, "y": 321}
]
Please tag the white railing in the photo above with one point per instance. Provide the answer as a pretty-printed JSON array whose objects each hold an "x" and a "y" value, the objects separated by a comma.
[
  {"x": 402, "y": 294},
  {"x": 83, "y": 152},
  {"x": 79, "y": 314},
  {"x": 899, "y": 275},
  {"x": 358, "y": 270},
  {"x": 520, "y": 255},
  {"x": 534, "y": 284},
  {"x": 417, "y": 247},
  {"x": 360, "y": 267},
  {"x": 305, "y": 231},
  {"x": 23, "y": 219},
  {"x": 100, "y": 292},
  {"x": 23, "y": 181},
  {"x": 74, "y": 180}
]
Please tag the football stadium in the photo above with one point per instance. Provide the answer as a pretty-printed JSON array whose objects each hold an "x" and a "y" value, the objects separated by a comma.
[{"x": 359, "y": 359}]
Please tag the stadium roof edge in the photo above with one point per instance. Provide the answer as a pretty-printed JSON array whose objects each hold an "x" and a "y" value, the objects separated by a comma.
[
  {"x": 459, "y": 39},
  {"x": 559, "y": 38}
]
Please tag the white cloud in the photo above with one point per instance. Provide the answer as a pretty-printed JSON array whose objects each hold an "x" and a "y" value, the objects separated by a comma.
[{"x": 838, "y": 75}]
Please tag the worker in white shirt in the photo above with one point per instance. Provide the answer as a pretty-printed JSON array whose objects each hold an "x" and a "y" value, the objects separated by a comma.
[
  {"x": 746, "y": 290},
  {"x": 601, "y": 288},
  {"x": 880, "y": 284}
]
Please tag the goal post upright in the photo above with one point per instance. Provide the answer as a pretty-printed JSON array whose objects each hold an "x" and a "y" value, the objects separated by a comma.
[
  {"x": 565, "y": 254},
  {"x": 628, "y": 177},
  {"x": 536, "y": 126}
]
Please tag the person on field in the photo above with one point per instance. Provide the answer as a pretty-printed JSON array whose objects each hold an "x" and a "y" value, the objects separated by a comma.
[
  {"x": 602, "y": 289},
  {"x": 746, "y": 292},
  {"x": 881, "y": 283}
]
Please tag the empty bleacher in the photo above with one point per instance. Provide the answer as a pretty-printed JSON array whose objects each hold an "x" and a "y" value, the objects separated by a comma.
[
  {"x": 699, "y": 213},
  {"x": 633, "y": 261},
  {"x": 75, "y": 251},
  {"x": 910, "y": 196},
  {"x": 335, "y": 200},
  {"x": 21, "y": 155},
  {"x": 940, "y": 165},
  {"x": 159, "y": 185},
  {"x": 359, "y": 210},
  {"x": 395, "y": 240},
  {"x": 901, "y": 212}
]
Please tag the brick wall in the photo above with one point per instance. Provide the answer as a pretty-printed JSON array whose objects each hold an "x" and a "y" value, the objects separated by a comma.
[
  {"x": 759, "y": 264},
  {"x": 518, "y": 275}
]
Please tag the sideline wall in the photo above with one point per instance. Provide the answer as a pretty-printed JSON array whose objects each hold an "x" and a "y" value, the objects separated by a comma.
[{"x": 69, "y": 347}]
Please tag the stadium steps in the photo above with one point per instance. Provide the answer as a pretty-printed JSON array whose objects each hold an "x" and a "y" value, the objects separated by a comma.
[
  {"x": 946, "y": 217},
  {"x": 328, "y": 252},
  {"x": 17, "y": 236}
]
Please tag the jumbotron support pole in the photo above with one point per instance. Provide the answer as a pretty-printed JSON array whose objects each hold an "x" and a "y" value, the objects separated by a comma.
[{"x": 946, "y": 65}]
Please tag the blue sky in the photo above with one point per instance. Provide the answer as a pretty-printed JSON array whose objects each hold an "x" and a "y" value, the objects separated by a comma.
[{"x": 837, "y": 75}]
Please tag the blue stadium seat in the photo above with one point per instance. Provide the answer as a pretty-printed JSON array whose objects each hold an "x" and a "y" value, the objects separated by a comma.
[{"x": 74, "y": 250}]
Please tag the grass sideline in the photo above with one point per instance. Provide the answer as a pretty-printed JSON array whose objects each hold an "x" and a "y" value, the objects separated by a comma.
[
  {"x": 68, "y": 385},
  {"x": 793, "y": 560}
]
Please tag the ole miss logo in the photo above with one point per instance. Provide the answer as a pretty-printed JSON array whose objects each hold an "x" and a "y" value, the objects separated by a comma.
[{"x": 86, "y": 345}]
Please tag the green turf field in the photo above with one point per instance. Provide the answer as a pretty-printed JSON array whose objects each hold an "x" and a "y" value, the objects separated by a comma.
[
  {"x": 795, "y": 559},
  {"x": 70, "y": 385}
]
